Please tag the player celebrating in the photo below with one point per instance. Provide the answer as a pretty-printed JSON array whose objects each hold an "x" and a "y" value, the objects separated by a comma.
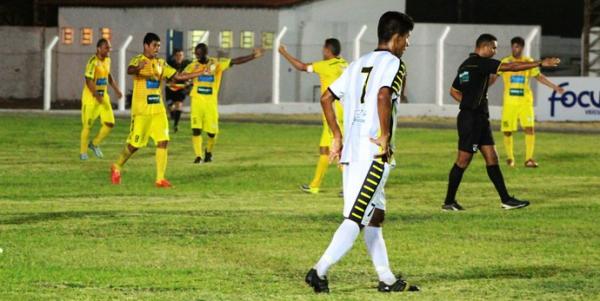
[
  {"x": 148, "y": 115},
  {"x": 474, "y": 132},
  {"x": 204, "y": 96},
  {"x": 176, "y": 91},
  {"x": 329, "y": 69},
  {"x": 518, "y": 103},
  {"x": 95, "y": 100},
  {"x": 369, "y": 88}
]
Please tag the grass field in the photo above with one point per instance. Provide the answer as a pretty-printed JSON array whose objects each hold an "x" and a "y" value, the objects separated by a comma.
[{"x": 239, "y": 229}]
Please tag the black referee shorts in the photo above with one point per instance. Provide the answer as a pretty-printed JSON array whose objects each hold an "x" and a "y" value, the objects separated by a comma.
[{"x": 474, "y": 130}]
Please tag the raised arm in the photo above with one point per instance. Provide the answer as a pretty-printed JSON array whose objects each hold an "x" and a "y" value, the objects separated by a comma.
[
  {"x": 546, "y": 82},
  {"x": 256, "y": 53},
  {"x": 327, "y": 100},
  {"x": 520, "y": 66},
  {"x": 298, "y": 64},
  {"x": 114, "y": 85}
]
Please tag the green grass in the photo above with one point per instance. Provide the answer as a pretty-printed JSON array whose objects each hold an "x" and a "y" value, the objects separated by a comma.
[{"x": 239, "y": 229}]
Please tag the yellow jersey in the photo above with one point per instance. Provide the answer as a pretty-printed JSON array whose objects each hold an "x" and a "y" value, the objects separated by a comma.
[
  {"x": 207, "y": 85},
  {"x": 147, "y": 97},
  {"x": 328, "y": 71},
  {"x": 96, "y": 70},
  {"x": 516, "y": 84}
]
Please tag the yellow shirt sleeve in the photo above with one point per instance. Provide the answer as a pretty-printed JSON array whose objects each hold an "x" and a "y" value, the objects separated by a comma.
[
  {"x": 224, "y": 63},
  {"x": 535, "y": 71},
  {"x": 318, "y": 67},
  {"x": 90, "y": 68},
  {"x": 189, "y": 68},
  {"x": 135, "y": 61},
  {"x": 167, "y": 71}
]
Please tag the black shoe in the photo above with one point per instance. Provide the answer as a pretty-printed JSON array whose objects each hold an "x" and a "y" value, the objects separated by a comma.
[
  {"x": 207, "y": 157},
  {"x": 341, "y": 194},
  {"x": 452, "y": 207},
  {"x": 318, "y": 284},
  {"x": 198, "y": 160},
  {"x": 399, "y": 286},
  {"x": 514, "y": 203},
  {"x": 175, "y": 129}
]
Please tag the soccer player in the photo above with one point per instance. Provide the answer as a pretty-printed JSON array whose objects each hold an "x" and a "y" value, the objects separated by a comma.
[
  {"x": 176, "y": 91},
  {"x": 204, "y": 96},
  {"x": 95, "y": 100},
  {"x": 518, "y": 103},
  {"x": 369, "y": 88},
  {"x": 474, "y": 132},
  {"x": 148, "y": 115},
  {"x": 329, "y": 69}
]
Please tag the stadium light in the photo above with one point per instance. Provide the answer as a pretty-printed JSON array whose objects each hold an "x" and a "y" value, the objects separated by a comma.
[
  {"x": 48, "y": 72},
  {"x": 357, "y": 42},
  {"x": 276, "y": 66},
  {"x": 534, "y": 32},
  {"x": 440, "y": 67},
  {"x": 123, "y": 72}
]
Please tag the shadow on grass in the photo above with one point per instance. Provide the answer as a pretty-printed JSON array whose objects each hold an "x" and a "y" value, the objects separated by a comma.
[
  {"x": 53, "y": 216},
  {"x": 504, "y": 272}
]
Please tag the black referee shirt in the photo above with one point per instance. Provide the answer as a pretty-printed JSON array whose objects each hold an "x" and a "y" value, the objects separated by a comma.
[{"x": 472, "y": 81}]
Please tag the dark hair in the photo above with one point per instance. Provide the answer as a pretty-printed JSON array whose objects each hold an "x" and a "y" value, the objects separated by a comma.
[
  {"x": 484, "y": 39},
  {"x": 176, "y": 50},
  {"x": 151, "y": 37},
  {"x": 393, "y": 22},
  {"x": 334, "y": 45},
  {"x": 201, "y": 45},
  {"x": 518, "y": 40},
  {"x": 101, "y": 42}
]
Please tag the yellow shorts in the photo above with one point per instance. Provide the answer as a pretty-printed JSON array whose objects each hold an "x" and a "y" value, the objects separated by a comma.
[
  {"x": 91, "y": 110},
  {"x": 204, "y": 115},
  {"x": 148, "y": 126},
  {"x": 326, "y": 134},
  {"x": 511, "y": 112}
]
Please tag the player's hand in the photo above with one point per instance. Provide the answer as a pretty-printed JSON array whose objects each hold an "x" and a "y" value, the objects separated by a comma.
[
  {"x": 383, "y": 142},
  {"x": 550, "y": 62},
  {"x": 142, "y": 64},
  {"x": 559, "y": 89},
  {"x": 258, "y": 52},
  {"x": 119, "y": 94},
  {"x": 282, "y": 49},
  {"x": 99, "y": 98},
  {"x": 336, "y": 150}
]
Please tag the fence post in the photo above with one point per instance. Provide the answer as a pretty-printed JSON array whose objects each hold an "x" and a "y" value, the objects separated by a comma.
[
  {"x": 534, "y": 32},
  {"x": 357, "y": 42},
  {"x": 123, "y": 71},
  {"x": 276, "y": 66},
  {"x": 48, "y": 73},
  {"x": 440, "y": 67}
]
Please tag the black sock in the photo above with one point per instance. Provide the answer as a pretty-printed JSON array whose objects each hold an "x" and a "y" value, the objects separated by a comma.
[
  {"x": 496, "y": 176},
  {"x": 454, "y": 179},
  {"x": 176, "y": 116},
  {"x": 172, "y": 114}
]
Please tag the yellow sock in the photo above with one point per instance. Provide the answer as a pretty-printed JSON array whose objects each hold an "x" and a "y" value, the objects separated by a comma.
[
  {"x": 104, "y": 131},
  {"x": 322, "y": 166},
  {"x": 123, "y": 157},
  {"x": 508, "y": 146},
  {"x": 529, "y": 146},
  {"x": 210, "y": 144},
  {"x": 161, "y": 163},
  {"x": 83, "y": 146},
  {"x": 197, "y": 143}
]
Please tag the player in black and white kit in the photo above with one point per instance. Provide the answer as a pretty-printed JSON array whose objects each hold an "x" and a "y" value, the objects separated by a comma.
[
  {"x": 470, "y": 88},
  {"x": 369, "y": 89}
]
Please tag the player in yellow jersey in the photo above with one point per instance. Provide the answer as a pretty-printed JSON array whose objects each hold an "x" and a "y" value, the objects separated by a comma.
[
  {"x": 148, "y": 114},
  {"x": 95, "y": 101},
  {"x": 329, "y": 69},
  {"x": 204, "y": 96},
  {"x": 518, "y": 102}
]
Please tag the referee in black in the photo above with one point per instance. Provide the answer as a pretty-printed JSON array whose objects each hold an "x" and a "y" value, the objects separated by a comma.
[
  {"x": 474, "y": 132},
  {"x": 176, "y": 91}
]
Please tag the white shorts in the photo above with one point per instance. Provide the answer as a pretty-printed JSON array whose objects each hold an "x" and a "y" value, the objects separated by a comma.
[{"x": 363, "y": 189}]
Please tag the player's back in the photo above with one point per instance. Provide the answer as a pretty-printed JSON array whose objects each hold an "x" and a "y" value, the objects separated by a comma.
[{"x": 358, "y": 88}]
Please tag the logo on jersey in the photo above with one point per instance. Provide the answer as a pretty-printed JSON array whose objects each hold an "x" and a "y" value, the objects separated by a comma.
[
  {"x": 584, "y": 99},
  {"x": 204, "y": 90},
  {"x": 153, "y": 99},
  {"x": 101, "y": 81},
  {"x": 464, "y": 77},
  {"x": 517, "y": 79},
  {"x": 206, "y": 78},
  {"x": 152, "y": 84},
  {"x": 516, "y": 92}
]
